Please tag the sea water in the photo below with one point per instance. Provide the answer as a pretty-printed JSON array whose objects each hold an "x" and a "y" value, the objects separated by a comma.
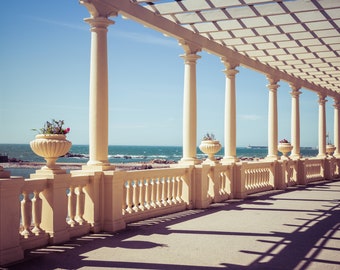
[
  {"x": 130, "y": 153},
  {"x": 125, "y": 154}
]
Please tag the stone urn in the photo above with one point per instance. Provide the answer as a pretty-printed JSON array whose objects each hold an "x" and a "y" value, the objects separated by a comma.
[
  {"x": 50, "y": 147},
  {"x": 210, "y": 148},
  {"x": 330, "y": 148},
  {"x": 285, "y": 148}
]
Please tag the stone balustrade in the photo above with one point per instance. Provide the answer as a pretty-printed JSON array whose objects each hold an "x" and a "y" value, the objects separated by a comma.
[{"x": 37, "y": 212}]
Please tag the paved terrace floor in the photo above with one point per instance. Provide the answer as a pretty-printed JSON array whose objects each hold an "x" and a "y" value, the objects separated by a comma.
[{"x": 296, "y": 229}]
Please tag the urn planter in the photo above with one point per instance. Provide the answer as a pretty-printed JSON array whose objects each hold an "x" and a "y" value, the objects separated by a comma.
[
  {"x": 285, "y": 148},
  {"x": 51, "y": 147},
  {"x": 210, "y": 148},
  {"x": 330, "y": 148}
]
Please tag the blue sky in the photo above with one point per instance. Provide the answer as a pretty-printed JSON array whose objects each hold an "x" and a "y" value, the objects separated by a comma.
[{"x": 44, "y": 74}]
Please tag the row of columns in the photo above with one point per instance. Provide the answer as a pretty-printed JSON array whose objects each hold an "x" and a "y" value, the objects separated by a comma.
[{"x": 98, "y": 125}]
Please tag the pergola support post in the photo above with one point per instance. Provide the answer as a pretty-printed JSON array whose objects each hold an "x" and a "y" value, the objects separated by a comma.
[
  {"x": 295, "y": 122},
  {"x": 336, "y": 106},
  {"x": 322, "y": 125},
  {"x": 98, "y": 123},
  {"x": 230, "y": 112},
  {"x": 272, "y": 118},
  {"x": 189, "y": 104}
]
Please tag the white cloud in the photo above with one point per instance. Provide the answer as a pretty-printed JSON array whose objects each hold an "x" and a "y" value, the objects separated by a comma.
[
  {"x": 146, "y": 38},
  {"x": 63, "y": 24}
]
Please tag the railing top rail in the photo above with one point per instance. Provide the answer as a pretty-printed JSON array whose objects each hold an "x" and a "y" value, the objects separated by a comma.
[
  {"x": 155, "y": 173},
  {"x": 31, "y": 185}
]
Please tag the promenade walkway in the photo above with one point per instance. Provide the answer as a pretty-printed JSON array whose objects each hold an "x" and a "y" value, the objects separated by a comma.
[{"x": 296, "y": 229}]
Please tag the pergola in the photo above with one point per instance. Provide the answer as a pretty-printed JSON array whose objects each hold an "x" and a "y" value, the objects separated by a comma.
[{"x": 296, "y": 41}]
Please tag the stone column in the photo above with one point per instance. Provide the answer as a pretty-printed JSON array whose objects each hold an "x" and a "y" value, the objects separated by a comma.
[
  {"x": 230, "y": 113},
  {"x": 189, "y": 104},
  {"x": 295, "y": 122},
  {"x": 272, "y": 118},
  {"x": 322, "y": 125},
  {"x": 98, "y": 93},
  {"x": 336, "y": 106}
]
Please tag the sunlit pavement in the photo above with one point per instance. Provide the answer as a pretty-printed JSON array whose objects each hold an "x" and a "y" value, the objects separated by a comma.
[{"x": 296, "y": 229}]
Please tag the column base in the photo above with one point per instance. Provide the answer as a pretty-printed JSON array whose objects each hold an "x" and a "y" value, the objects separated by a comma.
[
  {"x": 211, "y": 162},
  {"x": 295, "y": 156},
  {"x": 272, "y": 157},
  {"x": 229, "y": 160},
  {"x": 98, "y": 166},
  {"x": 47, "y": 173},
  {"x": 189, "y": 161},
  {"x": 284, "y": 158}
]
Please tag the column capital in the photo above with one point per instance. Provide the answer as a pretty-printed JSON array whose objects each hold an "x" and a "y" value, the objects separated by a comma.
[
  {"x": 273, "y": 83},
  {"x": 295, "y": 87},
  {"x": 189, "y": 47},
  {"x": 190, "y": 58},
  {"x": 98, "y": 23},
  {"x": 295, "y": 91},
  {"x": 97, "y": 10},
  {"x": 322, "y": 98},
  {"x": 229, "y": 64},
  {"x": 336, "y": 104}
]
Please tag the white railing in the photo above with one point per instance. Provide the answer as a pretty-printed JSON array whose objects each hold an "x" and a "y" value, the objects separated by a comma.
[
  {"x": 314, "y": 169},
  {"x": 62, "y": 206},
  {"x": 31, "y": 214},
  {"x": 257, "y": 176},
  {"x": 221, "y": 178},
  {"x": 148, "y": 191}
]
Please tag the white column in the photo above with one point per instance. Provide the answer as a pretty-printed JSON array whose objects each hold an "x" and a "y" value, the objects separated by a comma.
[
  {"x": 272, "y": 118},
  {"x": 98, "y": 92},
  {"x": 189, "y": 105},
  {"x": 230, "y": 113},
  {"x": 295, "y": 122},
  {"x": 322, "y": 125},
  {"x": 336, "y": 106}
]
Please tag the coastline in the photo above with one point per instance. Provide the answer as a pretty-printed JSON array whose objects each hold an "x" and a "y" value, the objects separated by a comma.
[{"x": 78, "y": 166}]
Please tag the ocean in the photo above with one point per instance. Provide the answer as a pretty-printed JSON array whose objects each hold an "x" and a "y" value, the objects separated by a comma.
[{"x": 125, "y": 154}]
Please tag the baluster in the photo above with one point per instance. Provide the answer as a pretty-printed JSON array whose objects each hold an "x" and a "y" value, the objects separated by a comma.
[
  {"x": 124, "y": 199},
  {"x": 222, "y": 185},
  {"x": 36, "y": 213},
  {"x": 258, "y": 177},
  {"x": 265, "y": 178},
  {"x": 173, "y": 190},
  {"x": 179, "y": 181},
  {"x": 158, "y": 192},
  {"x": 165, "y": 190},
  {"x": 170, "y": 190},
  {"x": 268, "y": 177},
  {"x": 141, "y": 193},
  {"x": 129, "y": 194},
  {"x": 26, "y": 214},
  {"x": 256, "y": 173},
  {"x": 80, "y": 205},
  {"x": 262, "y": 178},
  {"x": 148, "y": 197},
  {"x": 135, "y": 195},
  {"x": 153, "y": 193},
  {"x": 72, "y": 202},
  {"x": 246, "y": 179},
  {"x": 176, "y": 194}
]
